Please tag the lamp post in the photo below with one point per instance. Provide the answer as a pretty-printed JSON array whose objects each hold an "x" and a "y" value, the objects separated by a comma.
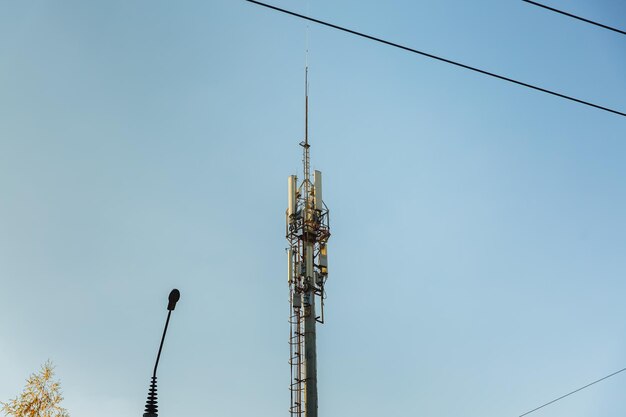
[{"x": 151, "y": 403}]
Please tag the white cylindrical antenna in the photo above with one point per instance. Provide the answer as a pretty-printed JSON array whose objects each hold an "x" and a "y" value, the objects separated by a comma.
[
  {"x": 292, "y": 191},
  {"x": 317, "y": 189}
]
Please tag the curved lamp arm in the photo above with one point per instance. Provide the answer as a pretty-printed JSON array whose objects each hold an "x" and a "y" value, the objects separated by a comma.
[{"x": 151, "y": 403}]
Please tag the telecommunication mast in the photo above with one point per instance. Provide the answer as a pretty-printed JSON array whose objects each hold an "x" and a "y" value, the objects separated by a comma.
[{"x": 307, "y": 232}]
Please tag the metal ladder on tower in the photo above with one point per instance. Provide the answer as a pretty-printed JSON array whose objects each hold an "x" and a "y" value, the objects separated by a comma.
[{"x": 296, "y": 361}]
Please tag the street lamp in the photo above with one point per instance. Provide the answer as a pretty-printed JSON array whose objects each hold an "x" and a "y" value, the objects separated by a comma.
[{"x": 151, "y": 403}]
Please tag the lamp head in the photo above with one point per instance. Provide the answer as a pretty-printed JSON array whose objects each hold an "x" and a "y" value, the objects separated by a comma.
[{"x": 173, "y": 299}]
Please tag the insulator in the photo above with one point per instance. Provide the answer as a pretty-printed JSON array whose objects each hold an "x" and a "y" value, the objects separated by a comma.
[{"x": 151, "y": 403}]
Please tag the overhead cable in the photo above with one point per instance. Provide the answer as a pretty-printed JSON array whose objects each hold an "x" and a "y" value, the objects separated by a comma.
[
  {"x": 573, "y": 392},
  {"x": 574, "y": 16},
  {"x": 448, "y": 61}
]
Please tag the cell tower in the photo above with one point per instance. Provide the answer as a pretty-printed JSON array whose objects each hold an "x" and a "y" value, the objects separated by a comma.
[{"x": 307, "y": 233}]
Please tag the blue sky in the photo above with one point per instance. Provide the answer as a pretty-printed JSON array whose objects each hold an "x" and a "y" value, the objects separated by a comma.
[{"x": 477, "y": 258}]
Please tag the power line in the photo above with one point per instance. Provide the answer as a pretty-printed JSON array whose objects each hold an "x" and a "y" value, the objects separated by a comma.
[
  {"x": 573, "y": 392},
  {"x": 575, "y": 17},
  {"x": 448, "y": 61}
]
